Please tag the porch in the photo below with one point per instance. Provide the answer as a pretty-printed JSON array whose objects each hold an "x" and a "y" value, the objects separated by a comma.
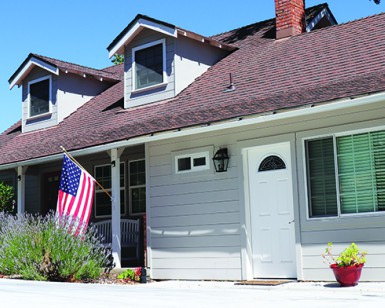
[{"x": 121, "y": 171}]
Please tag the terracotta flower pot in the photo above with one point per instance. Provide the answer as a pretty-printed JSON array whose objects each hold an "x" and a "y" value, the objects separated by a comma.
[{"x": 347, "y": 276}]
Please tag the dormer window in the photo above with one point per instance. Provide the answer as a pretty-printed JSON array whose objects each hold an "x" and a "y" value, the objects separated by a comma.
[
  {"x": 149, "y": 65},
  {"x": 39, "y": 91}
]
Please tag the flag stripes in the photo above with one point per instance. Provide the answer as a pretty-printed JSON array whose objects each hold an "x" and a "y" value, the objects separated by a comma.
[{"x": 76, "y": 193}]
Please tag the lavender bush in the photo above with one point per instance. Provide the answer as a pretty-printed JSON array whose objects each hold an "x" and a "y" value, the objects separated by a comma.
[{"x": 45, "y": 248}]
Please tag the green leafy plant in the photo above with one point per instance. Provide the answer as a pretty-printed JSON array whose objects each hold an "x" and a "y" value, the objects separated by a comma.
[
  {"x": 130, "y": 274},
  {"x": 117, "y": 59},
  {"x": 6, "y": 194},
  {"x": 45, "y": 248},
  {"x": 350, "y": 256}
]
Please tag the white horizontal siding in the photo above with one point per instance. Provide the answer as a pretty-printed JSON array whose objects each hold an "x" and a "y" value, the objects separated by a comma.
[
  {"x": 203, "y": 252},
  {"x": 344, "y": 235},
  {"x": 194, "y": 217},
  {"x": 194, "y": 187},
  {"x": 223, "y": 241},
  {"x": 193, "y": 198},
  {"x": 201, "y": 263},
  {"x": 193, "y": 209},
  {"x": 195, "y": 220},
  {"x": 196, "y": 273}
]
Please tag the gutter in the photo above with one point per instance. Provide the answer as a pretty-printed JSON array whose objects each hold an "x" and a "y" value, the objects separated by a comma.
[{"x": 227, "y": 124}]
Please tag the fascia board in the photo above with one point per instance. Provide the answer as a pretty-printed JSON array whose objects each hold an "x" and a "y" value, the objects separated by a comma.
[
  {"x": 28, "y": 67},
  {"x": 141, "y": 23}
]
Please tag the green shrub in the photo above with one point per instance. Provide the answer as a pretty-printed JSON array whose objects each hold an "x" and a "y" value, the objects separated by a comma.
[
  {"x": 6, "y": 194},
  {"x": 45, "y": 248}
]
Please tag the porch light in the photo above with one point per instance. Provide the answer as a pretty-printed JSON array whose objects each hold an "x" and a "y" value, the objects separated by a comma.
[{"x": 221, "y": 160}]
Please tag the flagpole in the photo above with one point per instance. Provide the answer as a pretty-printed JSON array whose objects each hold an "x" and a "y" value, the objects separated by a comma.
[{"x": 81, "y": 167}]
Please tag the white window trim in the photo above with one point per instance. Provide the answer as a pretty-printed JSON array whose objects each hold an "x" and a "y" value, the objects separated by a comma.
[
  {"x": 49, "y": 77},
  {"x": 99, "y": 190},
  {"x": 334, "y": 136},
  {"x": 130, "y": 187},
  {"x": 192, "y": 156},
  {"x": 133, "y": 65}
]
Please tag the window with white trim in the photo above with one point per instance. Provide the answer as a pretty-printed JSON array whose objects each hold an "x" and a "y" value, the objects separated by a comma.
[
  {"x": 137, "y": 189},
  {"x": 39, "y": 96},
  {"x": 149, "y": 65},
  {"x": 346, "y": 174},
  {"x": 192, "y": 162},
  {"x": 102, "y": 201}
]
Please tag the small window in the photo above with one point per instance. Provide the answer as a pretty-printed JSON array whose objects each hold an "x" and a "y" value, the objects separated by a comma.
[
  {"x": 39, "y": 96},
  {"x": 271, "y": 163},
  {"x": 102, "y": 200},
  {"x": 137, "y": 171},
  {"x": 192, "y": 162},
  {"x": 184, "y": 164},
  {"x": 148, "y": 65}
]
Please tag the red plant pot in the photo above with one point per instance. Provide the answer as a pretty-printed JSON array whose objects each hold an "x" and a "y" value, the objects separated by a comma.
[{"x": 347, "y": 276}]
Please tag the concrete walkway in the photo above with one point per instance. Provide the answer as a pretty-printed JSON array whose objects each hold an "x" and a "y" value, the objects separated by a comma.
[{"x": 186, "y": 294}]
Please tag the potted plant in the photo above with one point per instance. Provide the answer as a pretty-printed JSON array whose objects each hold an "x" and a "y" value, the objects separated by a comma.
[{"x": 348, "y": 265}]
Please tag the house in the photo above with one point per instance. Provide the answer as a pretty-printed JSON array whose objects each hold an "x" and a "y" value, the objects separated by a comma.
[{"x": 297, "y": 103}]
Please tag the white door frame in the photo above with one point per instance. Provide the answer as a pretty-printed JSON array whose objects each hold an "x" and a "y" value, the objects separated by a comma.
[{"x": 246, "y": 241}]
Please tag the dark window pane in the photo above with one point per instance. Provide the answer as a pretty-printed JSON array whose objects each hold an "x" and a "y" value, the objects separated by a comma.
[
  {"x": 184, "y": 164},
  {"x": 149, "y": 66},
  {"x": 138, "y": 200},
  {"x": 201, "y": 161},
  {"x": 39, "y": 97},
  {"x": 321, "y": 178}
]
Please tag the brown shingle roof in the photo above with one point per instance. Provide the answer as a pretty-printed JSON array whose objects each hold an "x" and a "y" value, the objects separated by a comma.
[{"x": 327, "y": 64}]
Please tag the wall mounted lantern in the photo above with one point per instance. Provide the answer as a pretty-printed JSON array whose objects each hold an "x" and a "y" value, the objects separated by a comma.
[
  {"x": 221, "y": 160},
  {"x": 19, "y": 177}
]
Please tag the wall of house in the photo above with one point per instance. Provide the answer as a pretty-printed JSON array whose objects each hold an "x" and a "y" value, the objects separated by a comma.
[
  {"x": 30, "y": 124},
  {"x": 194, "y": 217},
  {"x": 74, "y": 90},
  {"x": 155, "y": 94},
  {"x": 199, "y": 223},
  {"x": 192, "y": 59},
  {"x": 366, "y": 230}
]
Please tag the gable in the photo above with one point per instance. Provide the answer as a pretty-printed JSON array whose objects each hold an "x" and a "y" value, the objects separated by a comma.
[
  {"x": 53, "y": 89},
  {"x": 180, "y": 57}
]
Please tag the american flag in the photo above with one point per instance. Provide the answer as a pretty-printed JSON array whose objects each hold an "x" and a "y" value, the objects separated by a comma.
[{"x": 76, "y": 193}]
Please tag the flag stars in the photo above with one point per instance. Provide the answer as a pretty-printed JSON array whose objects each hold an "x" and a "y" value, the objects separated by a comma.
[{"x": 70, "y": 178}]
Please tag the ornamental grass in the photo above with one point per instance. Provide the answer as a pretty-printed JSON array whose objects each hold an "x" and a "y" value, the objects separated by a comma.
[{"x": 45, "y": 248}]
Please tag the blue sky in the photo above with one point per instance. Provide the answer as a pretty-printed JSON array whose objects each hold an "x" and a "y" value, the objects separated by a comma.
[{"x": 80, "y": 30}]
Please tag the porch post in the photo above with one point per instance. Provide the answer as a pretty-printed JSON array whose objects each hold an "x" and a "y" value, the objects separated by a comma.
[
  {"x": 115, "y": 210},
  {"x": 21, "y": 170}
]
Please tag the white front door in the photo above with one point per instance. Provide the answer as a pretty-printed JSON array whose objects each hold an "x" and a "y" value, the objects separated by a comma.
[{"x": 272, "y": 218}]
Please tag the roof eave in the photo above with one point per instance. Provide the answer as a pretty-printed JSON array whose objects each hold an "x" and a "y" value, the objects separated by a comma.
[
  {"x": 205, "y": 39},
  {"x": 128, "y": 34},
  {"x": 26, "y": 67}
]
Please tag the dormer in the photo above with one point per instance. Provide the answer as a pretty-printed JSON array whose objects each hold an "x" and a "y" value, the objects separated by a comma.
[
  {"x": 53, "y": 89},
  {"x": 161, "y": 59}
]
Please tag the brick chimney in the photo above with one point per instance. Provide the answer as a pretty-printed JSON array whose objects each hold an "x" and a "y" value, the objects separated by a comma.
[{"x": 290, "y": 17}]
